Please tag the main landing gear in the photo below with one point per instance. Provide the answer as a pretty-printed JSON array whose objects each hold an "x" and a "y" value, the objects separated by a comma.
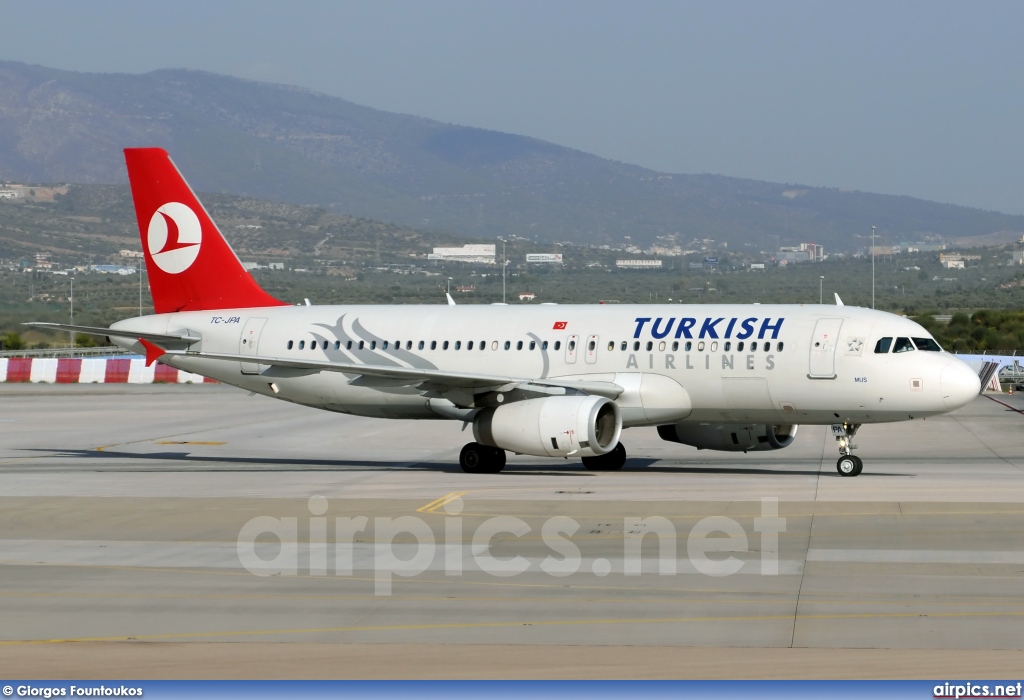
[
  {"x": 849, "y": 464},
  {"x": 481, "y": 459},
  {"x": 610, "y": 462}
]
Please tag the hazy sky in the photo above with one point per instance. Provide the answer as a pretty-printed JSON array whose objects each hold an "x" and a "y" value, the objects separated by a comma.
[{"x": 917, "y": 98}]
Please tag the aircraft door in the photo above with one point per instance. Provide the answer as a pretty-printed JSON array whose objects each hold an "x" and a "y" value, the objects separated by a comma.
[
  {"x": 571, "y": 349},
  {"x": 249, "y": 342},
  {"x": 591, "y": 350},
  {"x": 823, "y": 348}
]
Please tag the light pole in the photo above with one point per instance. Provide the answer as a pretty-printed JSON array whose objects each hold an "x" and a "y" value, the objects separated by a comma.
[
  {"x": 504, "y": 265},
  {"x": 872, "y": 267},
  {"x": 71, "y": 298},
  {"x": 821, "y": 281}
]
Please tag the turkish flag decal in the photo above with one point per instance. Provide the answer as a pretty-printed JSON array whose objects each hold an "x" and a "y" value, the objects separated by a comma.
[{"x": 559, "y": 325}]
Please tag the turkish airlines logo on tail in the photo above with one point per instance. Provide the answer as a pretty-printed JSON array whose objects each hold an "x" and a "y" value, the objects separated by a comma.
[{"x": 174, "y": 237}]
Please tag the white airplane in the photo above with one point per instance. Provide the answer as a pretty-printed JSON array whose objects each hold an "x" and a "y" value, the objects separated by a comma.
[{"x": 551, "y": 381}]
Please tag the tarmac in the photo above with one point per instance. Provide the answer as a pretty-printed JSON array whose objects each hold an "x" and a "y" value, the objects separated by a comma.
[{"x": 193, "y": 531}]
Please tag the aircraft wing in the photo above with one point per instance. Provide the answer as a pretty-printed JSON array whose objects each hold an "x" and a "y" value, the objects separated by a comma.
[
  {"x": 455, "y": 380},
  {"x": 183, "y": 337}
]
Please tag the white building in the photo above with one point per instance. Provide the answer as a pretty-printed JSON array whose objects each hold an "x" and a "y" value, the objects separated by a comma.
[
  {"x": 638, "y": 264},
  {"x": 471, "y": 253}
]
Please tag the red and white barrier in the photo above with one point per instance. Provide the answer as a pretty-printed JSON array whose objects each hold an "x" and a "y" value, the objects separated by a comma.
[{"x": 113, "y": 370}]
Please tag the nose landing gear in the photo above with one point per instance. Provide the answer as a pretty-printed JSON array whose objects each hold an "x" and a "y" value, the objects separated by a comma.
[{"x": 849, "y": 464}]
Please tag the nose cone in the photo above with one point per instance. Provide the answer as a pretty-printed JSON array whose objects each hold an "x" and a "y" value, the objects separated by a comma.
[{"x": 959, "y": 384}]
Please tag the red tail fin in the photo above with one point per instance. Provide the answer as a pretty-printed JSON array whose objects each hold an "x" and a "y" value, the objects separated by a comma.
[{"x": 191, "y": 267}]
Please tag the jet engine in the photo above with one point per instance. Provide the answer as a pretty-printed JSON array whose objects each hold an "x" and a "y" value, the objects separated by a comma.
[
  {"x": 554, "y": 426},
  {"x": 729, "y": 437}
]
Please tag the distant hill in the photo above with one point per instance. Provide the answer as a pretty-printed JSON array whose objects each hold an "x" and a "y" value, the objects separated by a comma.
[{"x": 272, "y": 141}]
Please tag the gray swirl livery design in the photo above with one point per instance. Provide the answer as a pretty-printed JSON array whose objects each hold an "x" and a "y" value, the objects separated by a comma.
[{"x": 556, "y": 381}]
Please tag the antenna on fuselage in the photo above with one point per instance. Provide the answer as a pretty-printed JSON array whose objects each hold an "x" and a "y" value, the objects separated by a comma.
[{"x": 839, "y": 302}]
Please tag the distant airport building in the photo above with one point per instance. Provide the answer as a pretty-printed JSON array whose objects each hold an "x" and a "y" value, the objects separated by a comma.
[
  {"x": 805, "y": 252},
  {"x": 112, "y": 269},
  {"x": 130, "y": 254},
  {"x": 527, "y": 296},
  {"x": 638, "y": 264},
  {"x": 555, "y": 258},
  {"x": 470, "y": 253},
  {"x": 756, "y": 266},
  {"x": 1018, "y": 257}
]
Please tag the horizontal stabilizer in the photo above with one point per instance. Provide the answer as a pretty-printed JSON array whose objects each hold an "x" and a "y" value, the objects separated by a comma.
[{"x": 183, "y": 337}]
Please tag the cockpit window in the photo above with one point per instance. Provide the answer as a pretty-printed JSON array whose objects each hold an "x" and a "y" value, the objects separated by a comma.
[
  {"x": 883, "y": 345},
  {"x": 927, "y": 344},
  {"x": 903, "y": 345}
]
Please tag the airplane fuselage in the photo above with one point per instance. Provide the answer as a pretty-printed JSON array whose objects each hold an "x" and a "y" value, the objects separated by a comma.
[{"x": 713, "y": 363}]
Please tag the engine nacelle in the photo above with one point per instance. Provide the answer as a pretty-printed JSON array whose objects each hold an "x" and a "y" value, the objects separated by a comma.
[
  {"x": 729, "y": 437},
  {"x": 554, "y": 426}
]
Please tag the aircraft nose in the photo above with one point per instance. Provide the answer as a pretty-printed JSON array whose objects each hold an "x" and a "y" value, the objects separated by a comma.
[{"x": 959, "y": 384}]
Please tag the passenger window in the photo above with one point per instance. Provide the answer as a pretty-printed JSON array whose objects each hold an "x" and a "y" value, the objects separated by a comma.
[
  {"x": 778, "y": 348},
  {"x": 290, "y": 344},
  {"x": 433, "y": 345},
  {"x": 650, "y": 345},
  {"x": 558, "y": 345},
  {"x": 544, "y": 345},
  {"x": 508, "y": 345},
  {"x": 302, "y": 345},
  {"x": 624, "y": 345},
  {"x": 444, "y": 345},
  {"x": 714, "y": 346},
  {"x": 419, "y": 346},
  {"x": 689, "y": 346},
  {"x": 700, "y": 346},
  {"x": 739, "y": 346},
  {"x": 572, "y": 345},
  {"x": 325, "y": 345},
  {"x": 883, "y": 345},
  {"x": 519, "y": 345},
  {"x": 903, "y": 345},
  {"x": 636, "y": 345},
  {"x": 348, "y": 345},
  {"x": 408, "y": 344},
  {"x": 469, "y": 345},
  {"x": 675, "y": 345},
  {"x": 337, "y": 345},
  {"x": 927, "y": 344},
  {"x": 591, "y": 346},
  {"x": 373, "y": 344},
  {"x": 533, "y": 345},
  {"x": 483, "y": 344},
  {"x": 458, "y": 344},
  {"x": 384, "y": 345},
  {"x": 728, "y": 346},
  {"x": 611, "y": 345}
]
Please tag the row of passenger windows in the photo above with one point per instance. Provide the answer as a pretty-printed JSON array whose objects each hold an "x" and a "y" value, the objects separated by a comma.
[
  {"x": 765, "y": 346},
  {"x": 906, "y": 345}
]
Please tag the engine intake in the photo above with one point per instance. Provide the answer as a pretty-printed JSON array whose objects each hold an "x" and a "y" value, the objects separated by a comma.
[
  {"x": 729, "y": 437},
  {"x": 554, "y": 426}
]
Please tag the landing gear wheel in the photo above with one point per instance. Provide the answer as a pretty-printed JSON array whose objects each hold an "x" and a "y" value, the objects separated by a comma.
[
  {"x": 849, "y": 465},
  {"x": 610, "y": 462},
  {"x": 481, "y": 459}
]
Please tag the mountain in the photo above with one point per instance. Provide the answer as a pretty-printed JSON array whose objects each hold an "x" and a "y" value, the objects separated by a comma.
[{"x": 291, "y": 144}]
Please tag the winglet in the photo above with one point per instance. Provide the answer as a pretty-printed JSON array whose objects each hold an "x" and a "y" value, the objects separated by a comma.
[
  {"x": 839, "y": 302},
  {"x": 153, "y": 352}
]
